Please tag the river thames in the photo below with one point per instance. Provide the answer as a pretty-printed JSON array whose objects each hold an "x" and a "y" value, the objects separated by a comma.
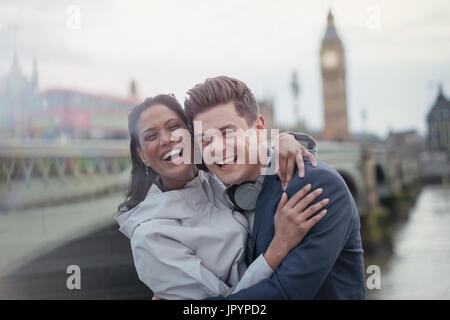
[{"x": 419, "y": 267}]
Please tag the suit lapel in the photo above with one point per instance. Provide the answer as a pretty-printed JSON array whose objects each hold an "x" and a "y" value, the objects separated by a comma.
[{"x": 260, "y": 212}]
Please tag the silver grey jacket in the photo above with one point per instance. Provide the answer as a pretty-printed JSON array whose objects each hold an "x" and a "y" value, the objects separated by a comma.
[{"x": 187, "y": 244}]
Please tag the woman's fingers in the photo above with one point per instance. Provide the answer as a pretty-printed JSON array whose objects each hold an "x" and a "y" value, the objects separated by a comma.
[
  {"x": 303, "y": 152},
  {"x": 311, "y": 222},
  {"x": 298, "y": 196},
  {"x": 311, "y": 157},
  {"x": 305, "y": 202},
  {"x": 290, "y": 168},
  {"x": 300, "y": 164},
  {"x": 282, "y": 170},
  {"x": 314, "y": 208},
  {"x": 283, "y": 201}
]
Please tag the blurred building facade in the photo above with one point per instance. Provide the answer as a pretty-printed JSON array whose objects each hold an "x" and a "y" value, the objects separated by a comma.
[
  {"x": 26, "y": 112},
  {"x": 75, "y": 114},
  {"x": 17, "y": 92},
  {"x": 438, "y": 120},
  {"x": 332, "y": 62},
  {"x": 404, "y": 138}
]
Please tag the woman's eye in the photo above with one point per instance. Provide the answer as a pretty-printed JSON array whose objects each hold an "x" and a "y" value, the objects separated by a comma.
[
  {"x": 207, "y": 140},
  {"x": 150, "y": 137},
  {"x": 174, "y": 127}
]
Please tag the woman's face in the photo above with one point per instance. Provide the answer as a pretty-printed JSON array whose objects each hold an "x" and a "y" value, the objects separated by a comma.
[{"x": 155, "y": 127}]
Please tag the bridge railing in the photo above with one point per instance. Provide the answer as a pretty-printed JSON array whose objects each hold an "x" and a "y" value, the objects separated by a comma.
[{"x": 43, "y": 172}]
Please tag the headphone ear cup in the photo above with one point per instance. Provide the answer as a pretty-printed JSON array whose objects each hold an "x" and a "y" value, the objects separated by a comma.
[
  {"x": 245, "y": 196},
  {"x": 229, "y": 197}
]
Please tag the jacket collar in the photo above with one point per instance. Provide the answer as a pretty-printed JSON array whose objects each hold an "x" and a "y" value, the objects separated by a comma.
[{"x": 261, "y": 207}]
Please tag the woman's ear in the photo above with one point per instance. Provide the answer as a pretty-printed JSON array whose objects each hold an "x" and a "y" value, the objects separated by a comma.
[{"x": 141, "y": 155}]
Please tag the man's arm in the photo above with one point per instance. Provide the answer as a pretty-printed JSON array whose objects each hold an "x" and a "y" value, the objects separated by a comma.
[{"x": 305, "y": 269}]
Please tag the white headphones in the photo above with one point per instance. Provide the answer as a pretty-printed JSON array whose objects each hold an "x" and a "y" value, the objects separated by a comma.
[{"x": 242, "y": 197}]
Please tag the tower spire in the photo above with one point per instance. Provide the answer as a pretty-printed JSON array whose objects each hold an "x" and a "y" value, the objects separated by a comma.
[
  {"x": 440, "y": 90},
  {"x": 15, "y": 63},
  {"x": 330, "y": 18},
  {"x": 34, "y": 75},
  {"x": 440, "y": 97},
  {"x": 330, "y": 33}
]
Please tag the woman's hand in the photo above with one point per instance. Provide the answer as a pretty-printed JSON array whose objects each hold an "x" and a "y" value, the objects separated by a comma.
[
  {"x": 292, "y": 222},
  {"x": 291, "y": 153}
]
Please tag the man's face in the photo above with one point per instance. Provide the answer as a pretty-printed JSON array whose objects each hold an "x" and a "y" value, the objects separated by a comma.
[{"x": 227, "y": 150}]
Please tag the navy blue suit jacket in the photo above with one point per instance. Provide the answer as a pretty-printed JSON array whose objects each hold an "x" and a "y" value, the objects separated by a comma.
[{"x": 328, "y": 263}]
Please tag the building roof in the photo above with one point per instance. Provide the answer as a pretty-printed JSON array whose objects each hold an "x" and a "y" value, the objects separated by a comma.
[
  {"x": 330, "y": 33},
  {"x": 15, "y": 83},
  {"x": 128, "y": 100},
  {"x": 441, "y": 107}
]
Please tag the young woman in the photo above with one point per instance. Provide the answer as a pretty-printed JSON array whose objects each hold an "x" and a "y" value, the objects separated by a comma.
[{"x": 186, "y": 242}]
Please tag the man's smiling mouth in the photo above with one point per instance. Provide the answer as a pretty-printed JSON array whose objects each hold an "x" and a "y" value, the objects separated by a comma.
[{"x": 226, "y": 163}]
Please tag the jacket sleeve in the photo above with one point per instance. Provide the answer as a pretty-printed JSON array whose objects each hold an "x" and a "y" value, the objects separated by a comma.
[
  {"x": 257, "y": 271},
  {"x": 304, "y": 270},
  {"x": 173, "y": 271}
]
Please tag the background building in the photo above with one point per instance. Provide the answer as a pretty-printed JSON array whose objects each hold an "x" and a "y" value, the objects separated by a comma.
[
  {"x": 79, "y": 115},
  {"x": 54, "y": 113},
  {"x": 16, "y": 94},
  {"x": 438, "y": 120},
  {"x": 332, "y": 62}
]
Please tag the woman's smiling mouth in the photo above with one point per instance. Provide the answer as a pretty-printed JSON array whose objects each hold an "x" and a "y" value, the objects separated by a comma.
[{"x": 172, "y": 154}]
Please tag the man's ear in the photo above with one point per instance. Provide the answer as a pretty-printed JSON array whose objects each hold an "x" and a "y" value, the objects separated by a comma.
[
  {"x": 260, "y": 122},
  {"x": 260, "y": 126}
]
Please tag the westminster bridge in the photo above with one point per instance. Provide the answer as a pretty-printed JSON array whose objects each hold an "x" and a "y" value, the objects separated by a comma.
[
  {"x": 37, "y": 173},
  {"x": 58, "y": 199}
]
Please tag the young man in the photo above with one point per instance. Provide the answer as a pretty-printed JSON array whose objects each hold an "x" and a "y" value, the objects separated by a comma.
[{"x": 328, "y": 263}]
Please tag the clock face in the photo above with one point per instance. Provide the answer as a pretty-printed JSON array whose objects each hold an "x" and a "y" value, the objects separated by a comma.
[{"x": 330, "y": 59}]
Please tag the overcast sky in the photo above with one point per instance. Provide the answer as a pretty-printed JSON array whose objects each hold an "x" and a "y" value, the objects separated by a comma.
[{"x": 394, "y": 60}]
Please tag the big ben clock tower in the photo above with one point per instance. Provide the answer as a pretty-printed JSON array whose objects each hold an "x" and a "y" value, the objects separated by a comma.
[{"x": 332, "y": 62}]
